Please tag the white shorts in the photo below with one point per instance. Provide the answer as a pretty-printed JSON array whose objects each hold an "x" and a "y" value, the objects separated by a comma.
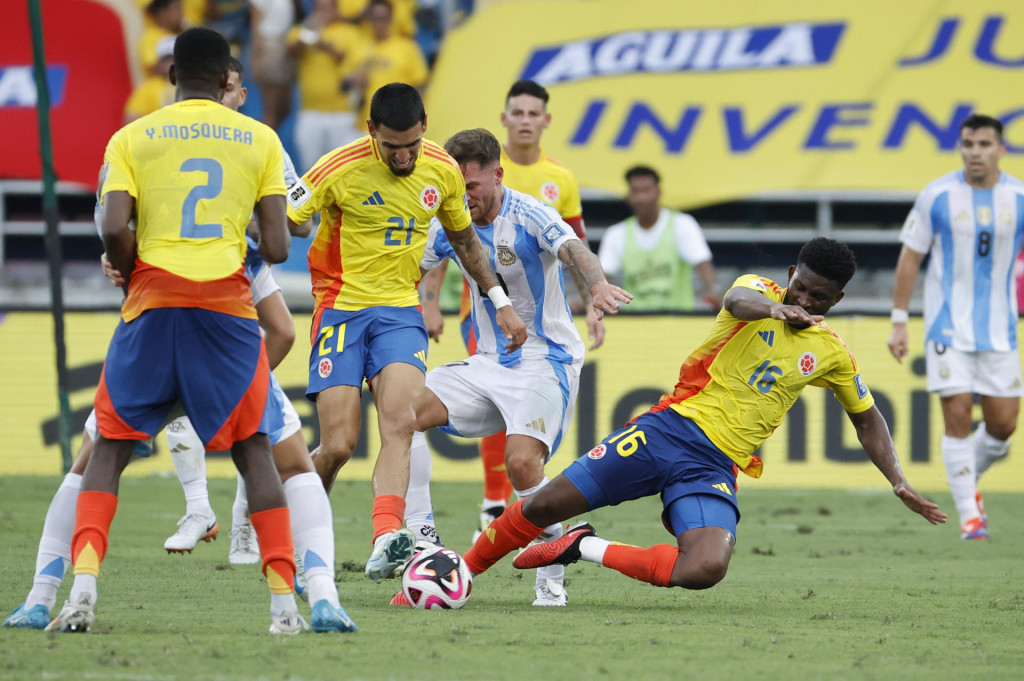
[
  {"x": 954, "y": 372},
  {"x": 536, "y": 398}
]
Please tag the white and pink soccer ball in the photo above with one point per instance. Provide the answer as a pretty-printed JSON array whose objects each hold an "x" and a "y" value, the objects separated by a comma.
[{"x": 437, "y": 578}]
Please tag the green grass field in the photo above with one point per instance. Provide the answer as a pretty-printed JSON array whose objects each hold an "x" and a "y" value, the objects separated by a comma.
[{"x": 823, "y": 585}]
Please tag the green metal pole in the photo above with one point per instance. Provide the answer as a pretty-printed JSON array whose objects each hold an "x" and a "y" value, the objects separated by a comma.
[{"x": 53, "y": 250}]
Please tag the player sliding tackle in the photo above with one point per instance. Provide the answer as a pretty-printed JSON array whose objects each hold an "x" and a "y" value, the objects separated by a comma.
[
  {"x": 529, "y": 393},
  {"x": 767, "y": 344}
]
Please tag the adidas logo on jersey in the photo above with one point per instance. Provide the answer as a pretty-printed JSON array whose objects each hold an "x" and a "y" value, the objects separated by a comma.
[
  {"x": 537, "y": 424},
  {"x": 374, "y": 200},
  {"x": 421, "y": 355}
]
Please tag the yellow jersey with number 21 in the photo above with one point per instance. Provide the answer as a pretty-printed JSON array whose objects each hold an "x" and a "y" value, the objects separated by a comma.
[
  {"x": 373, "y": 223},
  {"x": 739, "y": 384}
]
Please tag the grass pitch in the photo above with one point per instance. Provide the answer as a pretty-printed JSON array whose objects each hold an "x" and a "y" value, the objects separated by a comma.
[{"x": 823, "y": 585}]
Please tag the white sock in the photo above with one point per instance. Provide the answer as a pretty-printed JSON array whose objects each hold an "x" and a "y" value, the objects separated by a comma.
[
  {"x": 987, "y": 449},
  {"x": 282, "y": 603},
  {"x": 54, "y": 554},
  {"x": 313, "y": 534},
  {"x": 958, "y": 455},
  {"x": 419, "y": 512},
  {"x": 491, "y": 503},
  {"x": 189, "y": 457},
  {"x": 550, "y": 533},
  {"x": 83, "y": 589},
  {"x": 592, "y": 549},
  {"x": 240, "y": 508}
]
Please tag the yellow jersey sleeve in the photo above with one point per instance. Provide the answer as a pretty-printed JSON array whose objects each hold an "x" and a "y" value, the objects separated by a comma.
[
  {"x": 119, "y": 175},
  {"x": 844, "y": 379},
  {"x": 454, "y": 212}
]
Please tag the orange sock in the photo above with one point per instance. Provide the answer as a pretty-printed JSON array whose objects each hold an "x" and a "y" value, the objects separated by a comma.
[
  {"x": 388, "y": 512},
  {"x": 492, "y": 455},
  {"x": 93, "y": 515},
  {"x": 508, "y": 532},
  {"x": 653, "y": 565},
  {"x": 274, "y": 533}
]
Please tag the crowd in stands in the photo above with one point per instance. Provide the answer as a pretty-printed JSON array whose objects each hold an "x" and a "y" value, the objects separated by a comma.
[{"x": 321, "y": 59}]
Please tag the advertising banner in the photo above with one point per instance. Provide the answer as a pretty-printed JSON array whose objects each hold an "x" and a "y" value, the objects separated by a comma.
[
  {"x": 816, "y": 445},
  {"x": 732, "y": 100},
  {"x": 88, "y": 77}
]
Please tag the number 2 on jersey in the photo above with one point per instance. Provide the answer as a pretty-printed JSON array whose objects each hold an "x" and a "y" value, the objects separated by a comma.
[{"x": 190, "y": 229}]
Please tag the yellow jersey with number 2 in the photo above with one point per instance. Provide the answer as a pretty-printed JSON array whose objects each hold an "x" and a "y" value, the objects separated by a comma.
[
  {"x": 373, "y": 223},
  {"x": 739, "y": 384}
]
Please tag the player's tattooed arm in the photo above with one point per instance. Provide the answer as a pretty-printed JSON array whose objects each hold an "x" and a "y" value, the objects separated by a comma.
[
  {"x": 430, "y": 289},
  {"x": 604, "y": 297},
  {"x": 474, "y": 260}
]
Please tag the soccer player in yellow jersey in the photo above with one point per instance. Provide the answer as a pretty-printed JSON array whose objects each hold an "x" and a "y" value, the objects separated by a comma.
[
  {"x": 190, "y": 175},
  {"x": 377, "y": 197},
  {"x": 767, "y": 345}
]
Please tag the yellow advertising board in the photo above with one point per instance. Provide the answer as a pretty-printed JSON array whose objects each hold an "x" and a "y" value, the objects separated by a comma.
[
  {"x": 729, "y": 100},
  {"x": 815, "y": 446}
]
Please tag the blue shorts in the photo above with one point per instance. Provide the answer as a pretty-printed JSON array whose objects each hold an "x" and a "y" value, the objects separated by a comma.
[
  {"x": 667, "y": 454},
  {"x": 211, "y": 362},
  {"x": 351, "y": 346}
]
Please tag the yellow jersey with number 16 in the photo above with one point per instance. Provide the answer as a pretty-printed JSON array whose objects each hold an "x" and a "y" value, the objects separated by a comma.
[
  {"x": 739, "y": 384},
  {"x": 195, "y": 169},
  {"x": 373, "y": 223}
]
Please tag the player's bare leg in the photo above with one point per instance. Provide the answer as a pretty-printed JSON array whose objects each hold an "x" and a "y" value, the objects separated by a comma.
[
  {"x": 991, "y": 438},
  {"x": 394, "y": 388},
  {"x": 338, "y": 411},
  {"x": 524, "y": 463}
]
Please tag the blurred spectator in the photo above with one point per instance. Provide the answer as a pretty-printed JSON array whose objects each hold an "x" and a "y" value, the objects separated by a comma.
[
  {"x": 230, "y": 18},
  {"x": 655, "y": 251},
  {"x": 386, "y": 58},
  {"x": 404, "y": 15},
  {"x": 434, "y": 18},
  {"x": 156, "y": 90},
  {"x": 165, "y": 18},
  {"x": 325, "y": 48},
  {"x": 272, "y": 69}
]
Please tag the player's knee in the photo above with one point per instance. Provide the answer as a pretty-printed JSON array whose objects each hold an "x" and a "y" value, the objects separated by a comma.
[
  {"x": 699, "y": 574},
  {"x": 1001, "y": 430},
  {"x": 524, "y": 471},
  {"x": 336, "y": 452}
]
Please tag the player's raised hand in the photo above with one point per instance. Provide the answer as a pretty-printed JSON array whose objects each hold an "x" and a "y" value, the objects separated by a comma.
[
  {"x": 918, "y": 504},
  {"x": 608, "y": 297},
  {"x": 513, "y": 327},
  {"x": 898, "y": 340}
]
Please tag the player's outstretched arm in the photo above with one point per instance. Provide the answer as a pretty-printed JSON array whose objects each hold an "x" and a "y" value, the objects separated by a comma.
[
  {"x": 873, "y": 434},
  {"x": 907, "y": 267},
  {"x": 272, "y": 222},
  {"x": 605, "y": 297},
  {"x": 748, "y": 305},
  {"x": 118, "y": 238},
  {"x": 471, "y": 254},
  {"x": 430, "y": 300}
]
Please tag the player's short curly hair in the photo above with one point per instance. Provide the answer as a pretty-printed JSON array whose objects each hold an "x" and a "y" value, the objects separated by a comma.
[
  {"x": 830, "y": 259},
  {"x": 474, "y": 145},
  {"x": 200, "y": 55},
  {"x": 397, "y": 106}
]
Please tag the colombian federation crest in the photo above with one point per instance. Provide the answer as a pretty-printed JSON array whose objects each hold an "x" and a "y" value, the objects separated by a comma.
[
  {"x": 430, "y": 197},
  {"x": 550, "y": 192},
  {"x": 325, "y": 367},
  {"x": 598, "y": 451},
  {"x": 807, "y": 363}
]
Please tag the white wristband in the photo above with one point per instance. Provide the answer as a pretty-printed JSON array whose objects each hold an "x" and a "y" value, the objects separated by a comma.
[
  {"x": 899, "y": 316},
  {"x": 498, "y": 297}
]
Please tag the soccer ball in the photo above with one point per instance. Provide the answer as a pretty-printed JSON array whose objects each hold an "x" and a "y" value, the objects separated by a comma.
[{"x": 437, "y": 578}]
